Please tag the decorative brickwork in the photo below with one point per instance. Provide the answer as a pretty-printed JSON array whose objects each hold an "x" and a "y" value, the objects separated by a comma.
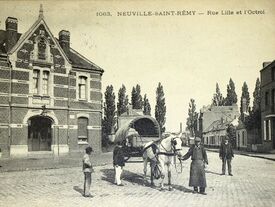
[
  {"x": 20, "y": 75},
  {"x": 60, "y": 80},
  {"x": 72, "y": 94},
  {"x": 19, "y": 100},
  {"x": 5, "y": 64},
  {"x": 95, "y": 119},
  {"x": 72, "y": 82},
  {"x": 97, "y": 76},
  {"x": 81, "y": 105},
  {"x": 95, "y": 95},
  {"x": 95, "y": 85},
  {"x": 61, "y": 103},
  {"x": 62, "y": 116},
  {"x": 4, "y": 74},
  {"x": 4, "y": 142},
  {"x": 24, "y": 52},
  {"x": 4, "y": 115},
  {"x": 4, "y": 87},
  {"x": 20, "y": 136},
  {"x": 60, "y": 92},
  {"x": 60, "y": 70},
  {"x": 18, "y": 114},
  {"x": 4, "y": 99},
  {"x": 20, "y": 88},
  {"x": 21, "y": 64}
]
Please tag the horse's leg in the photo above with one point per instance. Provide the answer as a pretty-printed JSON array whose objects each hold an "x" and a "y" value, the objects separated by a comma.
[
  {"x": 162, "y": 176},
  {"x": 145, "y": 160},
  {"x": 152, "y": 174},
  {"x": 169, "y": 177}
]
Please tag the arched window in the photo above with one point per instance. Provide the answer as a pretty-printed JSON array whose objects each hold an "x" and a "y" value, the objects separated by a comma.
[
  {"x": 243, "y": 139},
  {"x": 82, "y": 123},
  {"x": 82, "y": 87}
]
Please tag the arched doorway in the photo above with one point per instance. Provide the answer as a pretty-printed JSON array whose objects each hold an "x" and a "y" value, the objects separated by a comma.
[{"x": 39, "y": 133}]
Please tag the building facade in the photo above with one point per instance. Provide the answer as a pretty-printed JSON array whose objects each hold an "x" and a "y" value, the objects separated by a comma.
[
  {"x": 268, "y": 106},
  {"x": 50, "y": 95}
]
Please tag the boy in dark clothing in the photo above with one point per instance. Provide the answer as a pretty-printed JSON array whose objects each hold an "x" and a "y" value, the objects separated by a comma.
[
  {"x": 119, "y": 162},
  {"x": 226, "y": 155},
  {"x": 87, "y": 170}
]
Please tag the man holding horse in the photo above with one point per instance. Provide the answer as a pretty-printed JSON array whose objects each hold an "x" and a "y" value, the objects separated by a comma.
[{"x": 197, "y": 171}]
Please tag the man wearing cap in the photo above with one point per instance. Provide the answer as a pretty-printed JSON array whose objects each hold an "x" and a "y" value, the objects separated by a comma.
[
  {"x": 226, "y": 155},
  {"x": 197, "y": 171},
  {"x": 87, "y": 170}
]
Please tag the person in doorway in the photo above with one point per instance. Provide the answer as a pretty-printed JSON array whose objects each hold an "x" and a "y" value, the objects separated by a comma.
[
  {"x": 226, "y": 155},
  {"x": 119, "y": 160},
  {"x": 87, "y": 170},
  {"x": 197, "y": 169}
]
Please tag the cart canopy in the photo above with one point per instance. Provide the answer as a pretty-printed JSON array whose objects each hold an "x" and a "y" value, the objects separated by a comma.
[{"x": 142, "y": 126}]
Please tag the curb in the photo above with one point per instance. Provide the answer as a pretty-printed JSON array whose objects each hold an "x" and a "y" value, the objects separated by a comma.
[{"x": 248, "y": 155}]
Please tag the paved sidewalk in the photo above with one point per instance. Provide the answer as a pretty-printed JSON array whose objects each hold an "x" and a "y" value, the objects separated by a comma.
[
  {"x": 268, "y": 156},
  {"x": 39, "y": 163}
]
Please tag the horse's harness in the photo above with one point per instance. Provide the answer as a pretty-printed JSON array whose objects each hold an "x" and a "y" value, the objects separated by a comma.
[{"x": 167, "y": 153}]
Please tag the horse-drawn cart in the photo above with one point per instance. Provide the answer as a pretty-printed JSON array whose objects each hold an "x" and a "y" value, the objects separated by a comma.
[{"x": 138, "y": 131}]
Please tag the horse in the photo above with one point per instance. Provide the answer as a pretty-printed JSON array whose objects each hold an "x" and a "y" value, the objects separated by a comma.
[{"x": 160, "y": 154}]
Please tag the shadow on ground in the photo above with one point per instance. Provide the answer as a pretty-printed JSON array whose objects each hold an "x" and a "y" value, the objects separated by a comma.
[
  {"x": 76, "y": 188},
  {"x": 211, "y": 172},
  {"x": 134, "y": 178}
]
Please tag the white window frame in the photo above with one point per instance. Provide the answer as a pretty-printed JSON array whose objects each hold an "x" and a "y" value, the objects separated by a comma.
[
  {"x": 87, "y": 93},
  {"x": 40, "y": 90}
]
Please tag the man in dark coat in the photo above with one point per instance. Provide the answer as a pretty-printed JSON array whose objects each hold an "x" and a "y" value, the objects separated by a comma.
[
  {"x": 226, "y": 155},
  {"x": 197, "y": 171}
]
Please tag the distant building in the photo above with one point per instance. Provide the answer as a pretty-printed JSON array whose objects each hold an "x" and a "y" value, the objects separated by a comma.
[
  {"x": 50, "y": 95},
  {"x": 241, "y": 136},
  {"x": 213, "y": 121},
  {"x": 268, "y": 106}
]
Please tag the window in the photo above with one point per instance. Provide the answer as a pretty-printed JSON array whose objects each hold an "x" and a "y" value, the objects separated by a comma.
[
  {"x": 41, "y": 84},
  {"x": 82, "y": 123},
  {"x": 42, "y": 49},
  {"x": 82, "y": 87},
  {"x": 36, "y": 81},
  {"x": 267, "y": 130},
  {"x": 45, "y": 82}
]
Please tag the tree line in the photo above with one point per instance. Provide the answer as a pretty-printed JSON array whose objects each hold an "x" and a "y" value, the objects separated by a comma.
[
  {"x": 112, "y": 110},
  {"x": 251, "y": 116}
]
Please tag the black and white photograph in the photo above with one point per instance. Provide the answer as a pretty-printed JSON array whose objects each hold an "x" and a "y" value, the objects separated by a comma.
[{"x": 118, "y": 103}]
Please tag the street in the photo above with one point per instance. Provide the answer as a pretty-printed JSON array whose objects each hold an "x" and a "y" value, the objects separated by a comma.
[{"x": 251, "y": 185}]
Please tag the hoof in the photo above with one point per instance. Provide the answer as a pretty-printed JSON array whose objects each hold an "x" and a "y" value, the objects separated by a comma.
[{"x": 170, "y": 188}]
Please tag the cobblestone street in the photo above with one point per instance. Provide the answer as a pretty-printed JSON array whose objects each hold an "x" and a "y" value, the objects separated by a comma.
[{"x": 251, "y": 185}]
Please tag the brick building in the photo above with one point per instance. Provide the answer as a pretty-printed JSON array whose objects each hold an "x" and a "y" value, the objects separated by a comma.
[
  {"x": 268, "y": 106},
  {"x": 50, "y": 95}
]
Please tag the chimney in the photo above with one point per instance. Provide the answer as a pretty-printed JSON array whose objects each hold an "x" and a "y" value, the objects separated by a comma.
[
  {"x": 266, "y": 64},
  {"x": 64, "y": 40},
  {"x": 11, "y": 32}
]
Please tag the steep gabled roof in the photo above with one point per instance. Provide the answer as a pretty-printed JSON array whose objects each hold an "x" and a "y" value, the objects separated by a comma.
[{"x": 79, "y": 61}]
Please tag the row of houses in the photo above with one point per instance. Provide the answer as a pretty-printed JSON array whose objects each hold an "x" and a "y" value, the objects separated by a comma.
[{"x": 214, "y": 120}]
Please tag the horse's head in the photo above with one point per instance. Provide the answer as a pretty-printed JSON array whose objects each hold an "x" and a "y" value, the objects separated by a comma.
[{"x": 176, "y": 143}]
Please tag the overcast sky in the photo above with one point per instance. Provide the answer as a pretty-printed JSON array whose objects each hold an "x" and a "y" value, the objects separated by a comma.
[{"x": 188, "y": 54}]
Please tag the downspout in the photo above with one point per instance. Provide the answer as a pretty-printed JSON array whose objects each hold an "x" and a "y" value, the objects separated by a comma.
[
  {"x": 10, "y": 107},
  {"x": 68, "y": 110}
]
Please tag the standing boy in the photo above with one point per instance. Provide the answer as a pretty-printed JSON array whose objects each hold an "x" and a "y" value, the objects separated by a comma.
[{"x": 87, "y": 170}]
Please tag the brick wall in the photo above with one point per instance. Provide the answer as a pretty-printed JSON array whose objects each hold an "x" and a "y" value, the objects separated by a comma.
[
  {"x": 20, "y": 88},
  {"x": 20, "y": 75},
  {"x": 4, "y": 142},
  {"x": 19, "y": 136},
  {"x": 60, "y": 80},
  {"x": 60, "y": 92},
  {"x": 4, "y": 115},
  {"x": 4, "y": 87}
]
